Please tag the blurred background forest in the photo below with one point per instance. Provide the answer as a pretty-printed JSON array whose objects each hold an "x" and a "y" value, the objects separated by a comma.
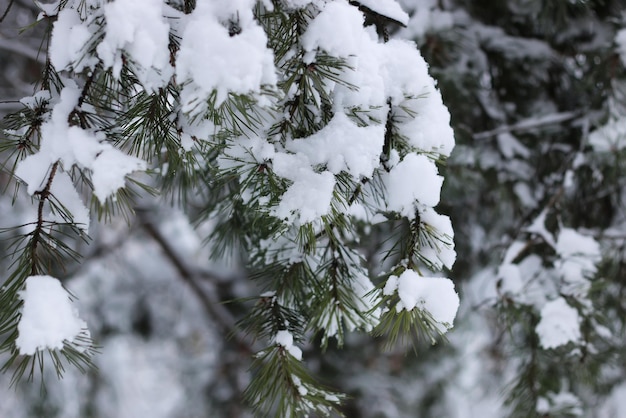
[{"x": 537, "y": 94}]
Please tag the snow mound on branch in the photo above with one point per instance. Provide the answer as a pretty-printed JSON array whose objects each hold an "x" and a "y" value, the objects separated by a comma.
[
  {"x": 70, "y": 35},
  {"x": 610, "y": 137},
  {"x": 343, "y": 146},
  {"x": 559, "y": 324},
  {"x": 48, "y": 317},
  {"x": 578, "y": 257},
  {"x": 435, "y": 295},
  {"x": 409, "y": 86},
  {"x": 309, "y": 196},
  {"x": 212, "y": 59},
  {"x": 285, "y": 340},
  {"x": 414, "y": 179},
  {"x": 71, "y": 145},
  {"x": 137, "y": 27},
  {"x": 388, "y": 8},
  {"x": 338, "y": 30},
  {"x": 441, "y": 251}
]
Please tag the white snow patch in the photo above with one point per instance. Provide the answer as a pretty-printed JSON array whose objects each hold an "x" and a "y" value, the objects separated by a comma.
[
  {"x": 539, "y": 227},
  {"x": 338, "y": 30},
  {"x": 559, "y": 404},
  {"x": 414, "y": 180},
  {"x": 70, "y": 35},
  {"x": 579, "y": 255},
  {"x": 210, "y": 60},
  {"x": 610, "y": 137},
  {"x": 440, "y": 252},
  {"x": 436, "y": 295},
  {"x": 559, "y": 324},
  {"x": 110, "y": 169},
  {"x": 72, "y": 145},
  {"x": 388, "y": 8},
  {"x": 343, "y": 146},
  {"x": 138, "y": 28},
  {"x": 48, "y": 317},
  {"x": 311, "y": 193}
]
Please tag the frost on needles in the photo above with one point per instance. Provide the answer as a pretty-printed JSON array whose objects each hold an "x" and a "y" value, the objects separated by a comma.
[{"x": 308, "y": 128}]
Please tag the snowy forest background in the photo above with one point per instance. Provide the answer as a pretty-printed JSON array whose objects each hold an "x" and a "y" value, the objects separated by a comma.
[{"x": 535, "y": 189}]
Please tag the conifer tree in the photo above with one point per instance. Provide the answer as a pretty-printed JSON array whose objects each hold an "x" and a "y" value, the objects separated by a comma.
[
  {"x": 300, "y": 129},
  {"x": 288, "y": 158},
  {"x": 536, "y": 96}
]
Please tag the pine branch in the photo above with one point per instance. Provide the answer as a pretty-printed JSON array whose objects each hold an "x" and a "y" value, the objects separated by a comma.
[
  {"x": 211, "y": 304},
  {"x": 43, "y": 197}
]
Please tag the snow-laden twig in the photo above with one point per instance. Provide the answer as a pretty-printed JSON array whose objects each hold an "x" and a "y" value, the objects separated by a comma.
[{"x": 530, "y": 123}]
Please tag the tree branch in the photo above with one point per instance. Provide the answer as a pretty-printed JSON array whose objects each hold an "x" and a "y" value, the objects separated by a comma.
[
  {"x": 211, "y": 304},
  {"x": 530, "y": 123},
  {"x": 6, "y": 11},
  {"x": 24, "y": 50},
  {"x": 43, "y": 196}
]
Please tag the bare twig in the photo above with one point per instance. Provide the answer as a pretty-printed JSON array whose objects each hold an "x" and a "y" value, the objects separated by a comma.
[
  {"x": 6, "y": 11},
  {"x": 43, "y": 196}
]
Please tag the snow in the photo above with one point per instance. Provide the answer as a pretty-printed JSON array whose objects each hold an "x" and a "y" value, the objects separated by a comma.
[
  {"x": 285, "y": 340},
  {"x": 337, "y": 30},
  {"x": 63, "y": 190},
  {"x": 388, "y": 8},
  {"x": 299, "y": 4},
  {"x": 49, "y": 9},
  {"x": 343, "y": 146},
  {"x": 48, "y": 319},
  {"x": 309, "y": 196},
  {"x": 72, "y": 145},
  {"x": 615, "y": 405},
  {"x": 239, "y": 64},
  {"x": 136, "y": 28},
  {"x": 426, "y": 17},
  {"x": 441, "y": 252},
  {"x": 109, "y": 170},
  {"x": 610, "y": 137},
  {"x": 414, "y": 179},
  {"x": 538, "y": 226},
  {"x": 510, "y": 277},
  {"x": 408, "y": 84},
  {"x": 579, "y": 255},
  {"x": 509, "y": 146},
  {"x": 212, "y": 64},
  {"x": 559, "y": 324},
  {"x": 377, "y": 71},
  {"x": 36, "y": 99},
  {"x": 559, "y": 404},
  {"x": 436, "y": 295},
  {"x": 70, "y": 35}
]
